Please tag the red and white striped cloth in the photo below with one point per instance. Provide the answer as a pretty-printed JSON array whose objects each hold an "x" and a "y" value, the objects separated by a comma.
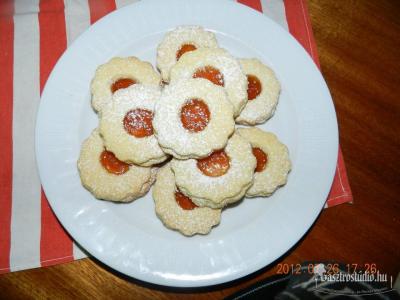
[{"x": 33, "y": 35}]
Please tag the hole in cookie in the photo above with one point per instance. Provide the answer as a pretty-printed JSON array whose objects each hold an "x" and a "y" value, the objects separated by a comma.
[
  {"x": 262, "y": 159},
  {"x": 121, "y": 83},
  {"x": 184, "y": 202},
  {"x": 215, "y": 165},
  {"x": 210, "y": 73},
  {"x": 195, "y": 115},
  {"x": 138, "y": 122},
  {"x": 185, "y": 48},
  {"x": 112, "y": 164},
  {"x": 253, "y": 87}
]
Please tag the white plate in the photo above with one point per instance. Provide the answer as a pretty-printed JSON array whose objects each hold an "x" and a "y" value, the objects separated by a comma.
[{"x": 129, "y": 237}]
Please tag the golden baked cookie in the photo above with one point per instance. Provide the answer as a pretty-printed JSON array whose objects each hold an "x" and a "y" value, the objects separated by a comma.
[
  {"x": 126, "y": 125},
  {"x": 219, "y": 179},
  {"x": 177, "y": 211},
  {"x": 119, "y": 73},
  {"x": 273, "y": 162},
  {"x": 108, "y": 178},
  {"x": 193, "y": 118},
  {"x": 179, "y": 41},
  {"x": 262, "y": 92},
  {"x": 217, "y": 66}
]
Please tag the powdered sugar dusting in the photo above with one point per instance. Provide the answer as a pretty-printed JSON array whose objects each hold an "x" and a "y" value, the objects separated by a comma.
[
  {"x": 104, "y": 185},
  {"x": 278, "y": 166},
  {"x": 129, "y": 148},
  {"x": 195, "y": 115},
  {"x": 189, "y": 222},
  {"x": 117, "y": 68},
  {"x": 263, "y": 106},
  {"x": 218, "y": 191},
  {"x": 173, "y": 41},
  {"x": 235, "y": 81},
  {"x": 177, "y": 140},
  {"x": 138, "y": 122}
]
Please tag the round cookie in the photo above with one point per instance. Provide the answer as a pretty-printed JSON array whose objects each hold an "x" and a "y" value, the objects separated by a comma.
[
  {"x": 273, "y": 162},
  {"x": 109, "y": 179},
  {"x": 193, "y": 118},
  {"x": 262, "y": 92},
  {"x": 178, "y": 212},
  {"x": 126, "y": 125},
  {"x": 218, "y": 66},
  {"x": 221, "y": 178},
  {"x": 118, "y": 73},
  {"x": 179, "y": 41}
]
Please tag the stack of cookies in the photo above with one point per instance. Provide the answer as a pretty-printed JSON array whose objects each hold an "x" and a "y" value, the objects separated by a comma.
[{"x": 178, "y": 129}]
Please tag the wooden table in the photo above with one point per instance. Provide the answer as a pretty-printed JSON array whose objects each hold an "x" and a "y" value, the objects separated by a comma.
[{"x": 358, "y": 44}]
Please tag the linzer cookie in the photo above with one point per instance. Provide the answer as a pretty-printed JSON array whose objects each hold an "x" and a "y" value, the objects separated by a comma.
[
  {"x": 262, "y": 92},
  {"x": 273, "y": 163},
  {"x": 119, "y": 73},
  {"x": 177, "y": 211},
  {"x": 219, "y": 179},
  {"x": 193, "y": 118},
  {"x": 179, "y": 41},
  {"x": 108, "y": 178},
  {"x": 126, "y": 126},
  {"x": 217, "y": 66}
]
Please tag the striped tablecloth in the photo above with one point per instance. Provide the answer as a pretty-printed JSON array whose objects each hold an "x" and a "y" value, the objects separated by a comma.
[{"x": 33, "y": 35}]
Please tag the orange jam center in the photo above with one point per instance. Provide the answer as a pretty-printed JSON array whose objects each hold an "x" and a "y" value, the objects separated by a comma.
[
  {"x": 262, "y": 159},
  {"x": 215, "y": 165},
  {"x": 183, "y": 201},
  {"x": 185, "y": 48},
  {"x": 210, "y": 73},
  {"x": 121, "y": 84},
  {"x": 195, "y": 115},
  {"x": 253, "y": 87},
  {"x": 138, "y": 122},
  {"x": 112, "y": 164}
]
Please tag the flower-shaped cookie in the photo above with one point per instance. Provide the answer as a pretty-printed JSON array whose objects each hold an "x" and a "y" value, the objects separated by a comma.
[
  {"x": 193, "y": 118},
  {"x": 219, "y": 179},
  {"x": 217, "y": 66},
  {"x": 262, "y": 92},
  {"x": 126, "y": 125},
  {"x": 119, "y": 73},
  {"x": 177, "y": 211},
  {"x": 108, "y": 178},
  {"x": 273, "y": 162},
  {"x": 179, "y": 41}
]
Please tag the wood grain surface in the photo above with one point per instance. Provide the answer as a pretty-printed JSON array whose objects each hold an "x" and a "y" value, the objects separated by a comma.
[{"x": 358, "y": 44}]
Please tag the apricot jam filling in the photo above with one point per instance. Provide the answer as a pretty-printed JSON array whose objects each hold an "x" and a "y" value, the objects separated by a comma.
[
  {"x": 253, "y": 87},
  {"x": 112, "y": 164},
  {"x": 121, "y": 83},
  {"x": 210, "y": 73},
  {"x": 262, "y": 159},
  {"x": 183, "y": 201},
  {"x": 185, "y": 48},
  {"x": 195, "y": 115},
  {"x": 215, "y": 165},
  {"x": 138, "y": 122}
]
